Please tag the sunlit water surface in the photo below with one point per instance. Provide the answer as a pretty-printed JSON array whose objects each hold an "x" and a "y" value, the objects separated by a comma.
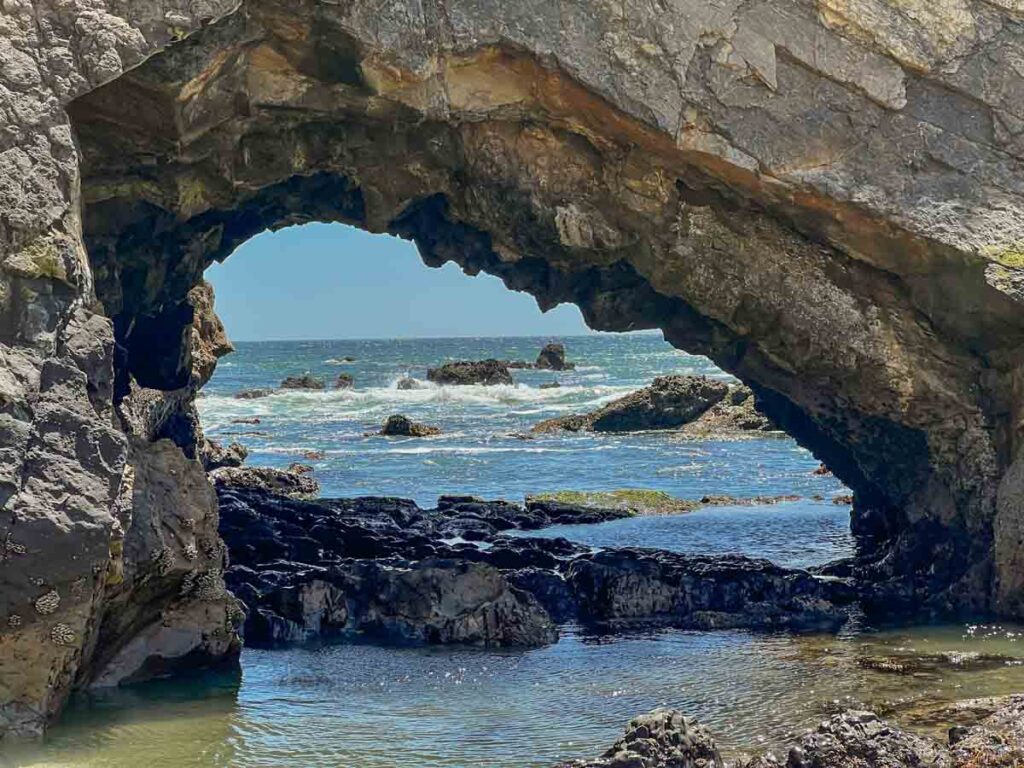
[{"x": 372, "y": 707}]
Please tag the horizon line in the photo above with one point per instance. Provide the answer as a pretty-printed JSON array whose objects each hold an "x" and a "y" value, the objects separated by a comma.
[{"x": 649, "y": 331}]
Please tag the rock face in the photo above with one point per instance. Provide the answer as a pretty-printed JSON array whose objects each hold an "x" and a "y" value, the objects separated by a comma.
[
  {"x": 487, "y": 372},
  {"x": 402, "y": 426},
  {"x": 552, "y": 357},
  {"x": 824, "y": 197}
]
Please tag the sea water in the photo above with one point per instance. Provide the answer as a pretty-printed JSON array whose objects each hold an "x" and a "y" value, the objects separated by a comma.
[{"x": 374, "y": 707}]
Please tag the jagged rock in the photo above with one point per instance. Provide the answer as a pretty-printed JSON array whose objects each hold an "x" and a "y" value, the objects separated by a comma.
[
  {"x": 344, "y": 381},
  {"x": 253, "y": 394},
  {"x": 266, "y": 479},
  {"x": 863, "y": 740},
  {"x": 669, "y": 403},
  {"x": 402, "y": 426},
  {"x": 550, "y": 385},
  {"x": 487, "y": 372},
  {"x": 552, "y": 357},
  {"x": 305, "y": 381},
  {"x": 216, "y": 455},
  {"x": 663, "y": 738}
]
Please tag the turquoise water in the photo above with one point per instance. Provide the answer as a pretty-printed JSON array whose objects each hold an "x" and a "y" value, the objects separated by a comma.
[{"x": 481, "y": 450}]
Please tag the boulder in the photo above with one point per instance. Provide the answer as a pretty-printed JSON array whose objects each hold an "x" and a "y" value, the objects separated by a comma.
[
  {"x": 402, "y": 426},
  {"x": 407, "y": 383},
  {"x": 552, "y": 358},
  {"x": 344, "y": 381},
  {"x": 305, "y": 381},
  {"x": 486, "y": 372}
]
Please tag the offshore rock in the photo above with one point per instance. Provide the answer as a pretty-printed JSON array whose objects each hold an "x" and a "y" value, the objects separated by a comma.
[
  {"x": 552, "y": 357},
  {"x": 402, "y": 426},
  {"x": 734, "y": 416},
  {"x": 344, "y": 381},
  {"x": 486, "y": 372},
  {"x": 253, "y": 394},
  {"x": 669, "y": 403},
  {"x": 305, "y": 381}
]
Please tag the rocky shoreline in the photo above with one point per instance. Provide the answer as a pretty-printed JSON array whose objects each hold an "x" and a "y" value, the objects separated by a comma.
[{"x": 325, "y": 568}]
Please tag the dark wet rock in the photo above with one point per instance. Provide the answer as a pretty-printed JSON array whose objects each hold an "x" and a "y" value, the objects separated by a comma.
[
  {"x": 668, "y": 403},
  {"x": 253, "y": 394},
  {"x": 299, "y": 469},
  {"x": 487, "y": 372},
  {"x": 863, "y": 740},
  {"x": 552, "y": 358},
  {"x": 402, "y": 426},
  {"x": 519, "y": 365},
  {"x": 550, "y": 589},
  {"x": 344, "y": 381},
  {"x": 266, "y": 479},
  {"x": 407, "y": 383},
  {"x": 254, "y": 421},
  {"x": 663, "y": 738},
  {"x": 305, "y": 381},
  {"x": 215, "y": 455},
  {"x": 623, "y": 588},
  {"x": 434, "y": 601},
  {"x": 550, "y": 385}
]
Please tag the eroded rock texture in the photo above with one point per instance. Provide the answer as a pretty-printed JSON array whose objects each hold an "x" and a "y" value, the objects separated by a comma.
[{"x": 824, "y": 196}]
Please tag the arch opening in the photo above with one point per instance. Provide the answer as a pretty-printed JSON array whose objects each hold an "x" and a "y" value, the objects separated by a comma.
[{"x": 876, "y": 319}]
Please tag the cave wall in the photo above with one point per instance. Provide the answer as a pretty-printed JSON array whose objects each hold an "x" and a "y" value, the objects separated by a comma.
[{"x": 824, "y": 197}]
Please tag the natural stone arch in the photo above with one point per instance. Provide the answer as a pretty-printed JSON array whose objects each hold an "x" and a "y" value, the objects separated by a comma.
[{"x": 836, "y": 223}]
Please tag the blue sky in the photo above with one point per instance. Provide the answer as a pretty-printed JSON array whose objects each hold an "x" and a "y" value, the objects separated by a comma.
[{"x": 329, "y": 281}]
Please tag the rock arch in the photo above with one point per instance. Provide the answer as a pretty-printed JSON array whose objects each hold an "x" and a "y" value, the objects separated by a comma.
[{"x": 826, "y": 198}]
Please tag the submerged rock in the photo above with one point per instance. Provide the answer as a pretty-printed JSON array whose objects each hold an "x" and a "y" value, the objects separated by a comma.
[
  {"x": 487, "y": 372},
  {"x": 552, "y": 357},
  {"x": 402, "y": 426},
  {"x": 305, "y": 381}
]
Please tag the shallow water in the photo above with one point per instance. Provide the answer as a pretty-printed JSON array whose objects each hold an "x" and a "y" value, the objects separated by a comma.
[
  {"x": 375, "y": 707},
  {"x": 459, "y": 708}
]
